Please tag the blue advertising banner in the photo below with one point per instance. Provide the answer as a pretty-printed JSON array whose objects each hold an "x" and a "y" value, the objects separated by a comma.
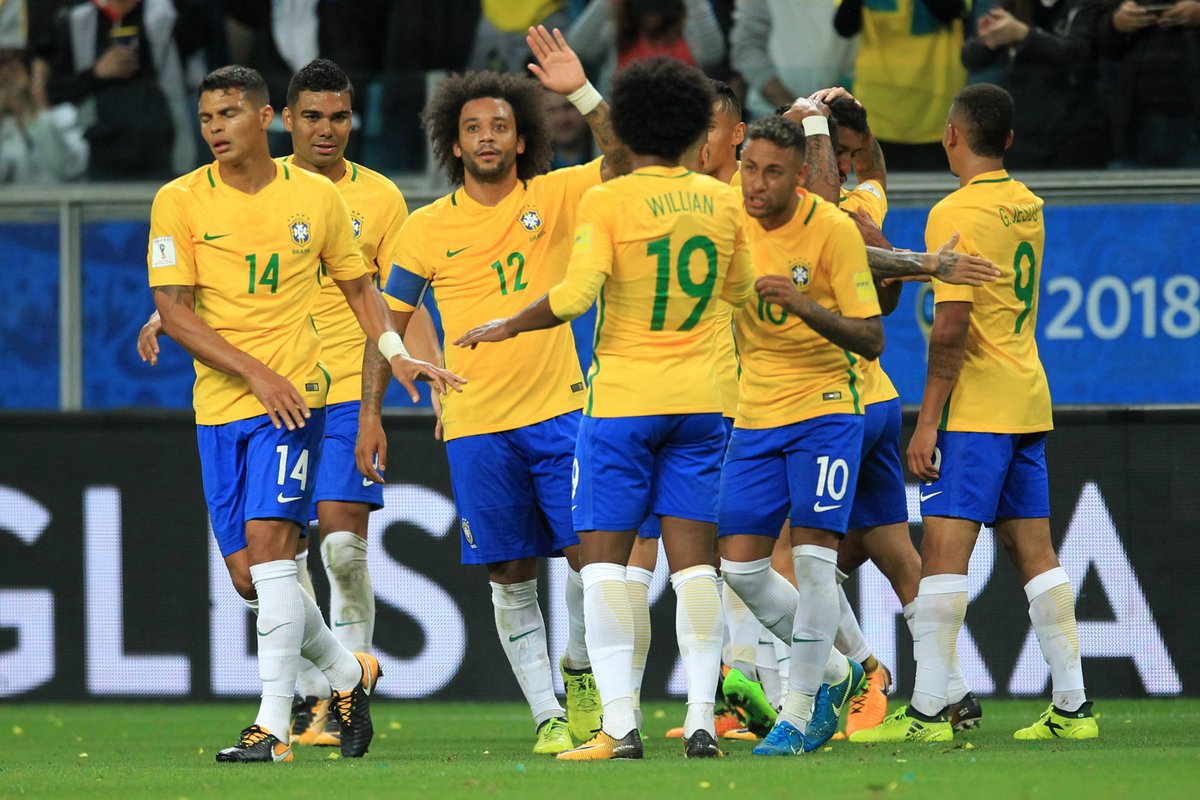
[{"x": 1118, "y": 322}]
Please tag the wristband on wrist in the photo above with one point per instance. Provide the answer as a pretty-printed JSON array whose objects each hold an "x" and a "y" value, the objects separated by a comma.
[
  {"x": 815, "y": 125},
  {"x": 585, "y": 98},
  {"x": 391, "y": 345}
]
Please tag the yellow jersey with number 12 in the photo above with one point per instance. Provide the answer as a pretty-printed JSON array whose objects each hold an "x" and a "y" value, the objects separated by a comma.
[
  {"x": 790, "y": 372},
  {"x": 254, "y": 261},
  {"x": 1002, "y": 387},
  {"x": 489, "y": 262},
  {"x": 377, "y": 212},
  {"x": 868, "y": 198},
  {"x": 665, "y": 245}
]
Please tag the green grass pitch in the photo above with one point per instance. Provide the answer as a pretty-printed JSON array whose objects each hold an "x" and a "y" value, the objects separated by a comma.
[{"x": 1147, "y": 749}]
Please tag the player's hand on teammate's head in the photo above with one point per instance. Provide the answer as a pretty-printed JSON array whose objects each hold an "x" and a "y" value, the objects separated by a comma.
[
  {"x": 557, "y": 67},
  {"x": 147, "y": 340},
  {"x": 963, "y": 269},
  {"x": 807, "y": 107},
  {"x": 827, "y": 96},
  {"x": 408, "y": 371},
  {"x": 284, "y": 404},
  {"x": 495, "y": 331},
  {"x": 370, "y": 448}
]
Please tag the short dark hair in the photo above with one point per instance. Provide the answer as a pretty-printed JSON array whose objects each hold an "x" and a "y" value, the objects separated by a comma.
[
  {"x": 726, "y": 97},
  {"x": 988, "y": 112},
  {"x": 780, "y": 132},
  {"x": 524, "y": 95},
  {"x": 235, "y": 76},
  {"x": 660, "y": 106},
  {"x": 849, "y": 114},
  {"x": 319, "y": 75}
]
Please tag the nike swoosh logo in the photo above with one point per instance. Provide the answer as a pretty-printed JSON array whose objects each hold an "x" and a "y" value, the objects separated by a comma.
[
  {"x": 925, "y": 497},
  {"x": 277, "y": 627},
  {"x": 208, "y": 238},
  {"x": 340, "y": 624},
  {"x": 368, "y": 482},
  {"x": 279, "y": 498},
  {"x": 514, "y": 637},
  {"x": 817, "y": 507},
  {"x": 452, "y": 253}
]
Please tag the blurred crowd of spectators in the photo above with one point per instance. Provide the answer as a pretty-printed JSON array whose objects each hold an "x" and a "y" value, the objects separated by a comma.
[{"x": 104, "y": 89}]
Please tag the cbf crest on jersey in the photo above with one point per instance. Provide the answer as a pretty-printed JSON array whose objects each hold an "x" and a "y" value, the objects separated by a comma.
[
  {"x": 356, "y": 222},
  {"x": 531, "y": 221},
  {"x": 301, "y": 233},
  {"x": 800, "y": 275}
]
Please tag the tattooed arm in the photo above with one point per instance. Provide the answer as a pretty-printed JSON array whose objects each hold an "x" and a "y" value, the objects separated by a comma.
[
  {"x": 868, "y": 162},
  {"x": 947, "y": 265},
  {"x": 823, "y": 179},
  {"x": 283, "y": 403},
  {"x": 947, "y": 345},
  {"x": 560, "y": 70}
]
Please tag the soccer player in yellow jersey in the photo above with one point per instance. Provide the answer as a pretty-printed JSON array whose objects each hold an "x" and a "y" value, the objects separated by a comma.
[
  {"x": 980, "y": 438},
  {"x": 234, "y": 251},
  {"x": 796, "y": 443},
  {"x": 498, "y": 240},
  {"x": 654, "y": 250}
]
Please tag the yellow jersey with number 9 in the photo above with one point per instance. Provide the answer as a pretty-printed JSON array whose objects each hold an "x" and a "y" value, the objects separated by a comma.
[
  {"x": 377, "y": 212},
  {"x": 1002, "y": 387},
  {"x": 254, "y": 262},
  {"x": 667, "y": 244},
  {"x": 790, "y": 372},
  {"x": 489, "y": 262}
]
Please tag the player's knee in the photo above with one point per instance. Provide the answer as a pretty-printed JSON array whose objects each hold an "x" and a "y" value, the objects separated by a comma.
[
  {"x": 515, "y": 571},
  {"x": 244, "y": 585}
]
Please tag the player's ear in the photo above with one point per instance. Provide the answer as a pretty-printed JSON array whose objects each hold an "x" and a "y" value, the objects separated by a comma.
[
  {"x": 266, "y": 115},
  {"x": 456, "y": 149},
  {"x": 739, "y": 134},
  {"x": 287, "y": 119},
  {"x": 1008, "y": 142},
  {"x": 520, "y": 145},
  {"x": 802, "y": 176}
]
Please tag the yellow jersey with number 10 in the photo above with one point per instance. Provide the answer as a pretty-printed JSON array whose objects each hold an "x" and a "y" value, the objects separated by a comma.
[
  {"x": 489, "y": 262},
  {"x": 254, "y": 261},
  {"x": 868, "y": 198},
  {"x": 377, "y": 212},
  {"x": 790, "y": 372},
  {"x": 669, "y": 244},
  {"x": 1002, "y": 387}
]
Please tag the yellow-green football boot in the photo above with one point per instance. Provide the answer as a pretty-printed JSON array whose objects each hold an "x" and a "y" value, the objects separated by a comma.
[
  {"x": 583, "y": 702},
  {"x": 907, "y": 725},
  {"x": 1054, "y": 723},
  {"x": 553, "y": 737}
]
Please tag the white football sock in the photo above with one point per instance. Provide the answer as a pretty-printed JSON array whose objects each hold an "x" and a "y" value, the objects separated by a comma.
[
  {"x": 814, "y": 630},
  {"x": 850, "y": 639},
  {"x": 941, "y": 607},
  {"x": 765, "y": 592},
  {"x": 1052, "y": 611},
  {"x": 575, "y": 653},
  {"x": 310, "y": 681},
  {"x": 698, "y": 628},
  {"x": 744, "y": 632},
  {"x": 351, "y": 598},
  {"x": 768, "y": 667},
  {"x": 523, "y": 636},
  {"x": 637, "y": 582},
  {"x": 610, "y": 643},
  {"x": 322, "y": 648},
  {"x": 280, "y": 630}
]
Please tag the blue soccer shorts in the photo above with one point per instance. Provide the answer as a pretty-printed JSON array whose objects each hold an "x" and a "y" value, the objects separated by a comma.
[
  {"x": 806, "y": 472},
  {"x": 651, "y": 527},
  {"x": 630, "y": 467},
  {"x": 879, "y": 498},
  {"x": 988, "y": 476},
  {"x": 339, "y": 478},
  {"x": 251, "y": 471},
  {"x": 513, "y": 490}
]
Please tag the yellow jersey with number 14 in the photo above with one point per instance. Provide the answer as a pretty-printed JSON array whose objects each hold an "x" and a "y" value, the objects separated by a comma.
[
  {"x": 1002, "y": 387},
  {"x": 790, "y": 372},
  {"x": 664, "y": 244},
  {"x": 377, "y": 212},
  {"x": 489, "y": 262},
  {"x": 254, "y": 261},
  {"x": 868, "y": 198}
]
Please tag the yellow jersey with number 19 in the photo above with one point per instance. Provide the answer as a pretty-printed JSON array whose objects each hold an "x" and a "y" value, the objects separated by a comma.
[
  {"x": 1002, "y": 387},
  {"x": 868, "y": 198},
  {"x": 663, "y": 245},
  {"x": 790, "y": 372},
  {"x": 377, "y": 212},
  {"x": 254, "y": 261},
  {"x": 489, "y": 262}
]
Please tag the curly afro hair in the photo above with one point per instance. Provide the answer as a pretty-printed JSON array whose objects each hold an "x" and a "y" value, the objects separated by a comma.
[
  {"x": 661, "y": 106},
  {"x": 524, "y": 95}
]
